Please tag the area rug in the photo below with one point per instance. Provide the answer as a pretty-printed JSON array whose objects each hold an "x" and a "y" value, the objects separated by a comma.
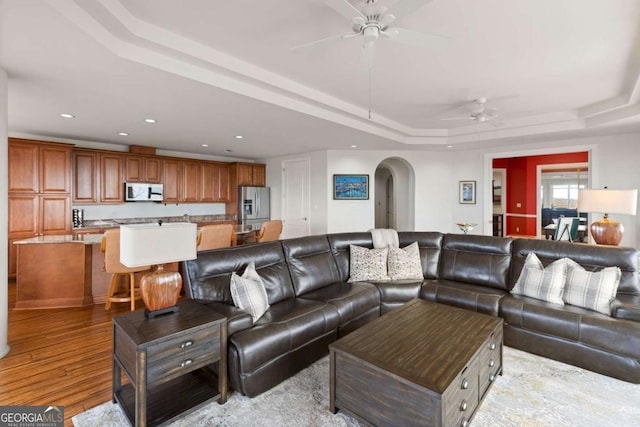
[{"x": 533, "y": 391}]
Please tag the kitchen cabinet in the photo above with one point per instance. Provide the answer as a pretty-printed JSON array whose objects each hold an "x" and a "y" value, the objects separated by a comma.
[
  {"x": 172, "y": 180},
  {"x": 97, "y": 177},
  {"x": 214, "y": 182},
  {"x": 191, "y": 181},
  {"x": 39, "y": 196},
  {"x": 251, "y": 174},
  {"x": 142, "y": 169},
  {"x": 111, "y": 178},
  {"x": 38, "y": 167},
  {"x": 85, "y": 177}
]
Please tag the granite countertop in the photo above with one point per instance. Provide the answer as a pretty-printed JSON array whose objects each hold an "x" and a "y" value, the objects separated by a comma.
[
  {"x": 113, "y": 223},
  {"x": 87, "y": 239}
]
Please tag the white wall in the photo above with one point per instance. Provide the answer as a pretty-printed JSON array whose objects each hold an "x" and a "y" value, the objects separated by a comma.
[
  {"x": 615, "y": 164},
  {"x": 4, "y": 221},
  {"x": 317, "y": 183}
]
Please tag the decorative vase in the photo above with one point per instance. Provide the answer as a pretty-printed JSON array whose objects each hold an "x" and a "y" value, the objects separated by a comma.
[
  {"x": 465, "y": 227},
  {"x": 160, "y": 290}
]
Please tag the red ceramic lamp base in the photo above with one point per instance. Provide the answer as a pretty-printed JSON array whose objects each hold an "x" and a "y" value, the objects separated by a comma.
[
  {"x": 160, "y": 291},
  {"x": 607, "y": 232}
]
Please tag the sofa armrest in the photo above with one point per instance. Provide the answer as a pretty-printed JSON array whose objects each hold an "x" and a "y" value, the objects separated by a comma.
[
  {"x": 237, "y": 319},
  {"x": 626, "y": 307}
]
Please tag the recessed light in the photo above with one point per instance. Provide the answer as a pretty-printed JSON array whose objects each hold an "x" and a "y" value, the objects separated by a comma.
[
  {"x": 67, "y": 115},
  {"x": 239, "y": 136},
  {"x": 228, "y": 151},
  {"x": 123, "y": 134},
  {"x": 205, "y": 145},
  {"x": 449, "y": 146},
  {"x": 150, "y": 120},
  {"x": 354, "y": 146}
]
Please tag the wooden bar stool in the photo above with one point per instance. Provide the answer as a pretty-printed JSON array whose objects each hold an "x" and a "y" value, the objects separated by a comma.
[
  {"x": 215, "y": 236},
  {"x": 110, "y": 245}
]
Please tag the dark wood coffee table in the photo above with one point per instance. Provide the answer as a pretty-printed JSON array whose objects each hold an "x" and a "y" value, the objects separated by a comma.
[{"x": 422, "y": 364}]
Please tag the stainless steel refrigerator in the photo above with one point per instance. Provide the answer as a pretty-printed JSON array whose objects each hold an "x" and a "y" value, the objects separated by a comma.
[{"x": 253, "y": 206}]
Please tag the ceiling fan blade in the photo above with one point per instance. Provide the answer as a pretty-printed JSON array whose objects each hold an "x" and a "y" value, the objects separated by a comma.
[
  {"x": 404, "y": 7},
  {"x": 367, "y": 53},
  {"x": 457, "y": 118},
  {"x": 402, "y": 35},
  {"x": 324, "y": 40},
  {"x": 344, "y": 8}
]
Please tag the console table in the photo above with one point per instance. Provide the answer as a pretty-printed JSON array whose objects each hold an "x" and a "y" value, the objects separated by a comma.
[{"x": 168, "y": 362}]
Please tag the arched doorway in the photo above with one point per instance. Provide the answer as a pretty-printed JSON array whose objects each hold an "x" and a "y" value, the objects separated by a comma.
[{"x": 394, "y": 194}]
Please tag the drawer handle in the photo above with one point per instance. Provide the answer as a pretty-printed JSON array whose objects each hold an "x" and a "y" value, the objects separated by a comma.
[
  {"x": 463, "y": 405},
  {"x": 465, "y": 384},
  {"x": 186, "y": 363},
  {"x": 492, "y": 346},
  {"x": 464, "y": 422},
  {"x": 491, "y": 363},
  {"x": 492, "y": 377},
  {"x": 186, "y": 344}
]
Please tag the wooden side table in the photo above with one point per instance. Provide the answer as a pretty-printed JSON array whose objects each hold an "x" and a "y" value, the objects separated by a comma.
[{"x": 168, "y": 362}]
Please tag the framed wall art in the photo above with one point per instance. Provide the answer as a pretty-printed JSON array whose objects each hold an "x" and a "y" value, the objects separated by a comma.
[
  {"x": 467, "y": 192},
  {"x": 350, "y": 187}
]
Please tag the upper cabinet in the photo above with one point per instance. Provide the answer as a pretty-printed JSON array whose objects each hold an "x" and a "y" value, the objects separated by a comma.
[
  {"x": 172, "y": 174},
  {"x": 36, "y": 167},
  {"x": 214, "y": 182},
  {"x": 250, "y": 174},
  {"x": 142, "y": 169},
  {"x": 191, "y": 181},
  {"x": 97, "y": 177}
]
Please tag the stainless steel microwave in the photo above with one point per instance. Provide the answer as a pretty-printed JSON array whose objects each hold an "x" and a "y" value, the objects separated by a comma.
[{"x": 142, "y": 192}]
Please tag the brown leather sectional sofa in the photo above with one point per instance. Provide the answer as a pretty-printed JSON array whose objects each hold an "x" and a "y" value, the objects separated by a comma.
[{"x": 312, "y": 303}]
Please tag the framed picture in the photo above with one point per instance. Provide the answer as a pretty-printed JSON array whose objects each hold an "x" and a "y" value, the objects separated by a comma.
[
  {"x": 350, "y": 187},
  {"x": 468, "y": 192}
]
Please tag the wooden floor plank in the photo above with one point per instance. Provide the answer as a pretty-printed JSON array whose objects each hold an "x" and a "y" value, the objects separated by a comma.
[{"x": 58, "y": 357}]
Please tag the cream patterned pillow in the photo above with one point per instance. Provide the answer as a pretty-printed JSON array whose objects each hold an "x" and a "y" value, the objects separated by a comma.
[
  {"x": 404, "y": 263},
  {"x": 367, "y": 264},
  {"x": 591, "y": 290},
  {"x": 248, "y": 292},
  {"x": 546, "y": 284}
]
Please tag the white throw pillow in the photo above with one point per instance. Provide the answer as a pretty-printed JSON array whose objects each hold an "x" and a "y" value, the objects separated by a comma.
[
  {"x": 367, "y": 264},
  {"x": 591, "y": 290},
  {"x": 404, "y": 263},
  {"x": 546, "y": 284},
  {"x": 248, "y": 292}
]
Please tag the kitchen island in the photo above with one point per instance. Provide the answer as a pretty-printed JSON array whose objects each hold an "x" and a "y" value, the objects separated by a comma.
[{"x": 56, "y": 271}]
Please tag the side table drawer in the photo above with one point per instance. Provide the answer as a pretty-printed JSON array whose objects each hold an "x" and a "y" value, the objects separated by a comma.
[{"x": 177, "y": 356}]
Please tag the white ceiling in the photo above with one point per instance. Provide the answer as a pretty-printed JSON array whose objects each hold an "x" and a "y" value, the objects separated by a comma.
[{"x": 210, "y": 70}]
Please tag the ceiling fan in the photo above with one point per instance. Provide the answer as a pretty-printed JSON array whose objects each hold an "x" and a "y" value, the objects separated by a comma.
[
  {"x": 375, "y": 20},
  {"x": 481, "y": 113}
]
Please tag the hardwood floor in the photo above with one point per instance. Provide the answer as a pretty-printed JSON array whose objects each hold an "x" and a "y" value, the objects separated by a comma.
[{"x": 59, "y": 357}]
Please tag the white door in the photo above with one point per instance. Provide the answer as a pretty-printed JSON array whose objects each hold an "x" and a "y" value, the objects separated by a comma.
[{"x": 295, "y": 198}]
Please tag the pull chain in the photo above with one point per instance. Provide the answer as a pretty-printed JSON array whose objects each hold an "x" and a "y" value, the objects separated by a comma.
[{"x": 369, "y": 93}]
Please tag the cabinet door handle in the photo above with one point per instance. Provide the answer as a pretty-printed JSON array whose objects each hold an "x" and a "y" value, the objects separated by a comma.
[
  {"x": 186, "y": 363},
  {"x": 186, "y": 344}
]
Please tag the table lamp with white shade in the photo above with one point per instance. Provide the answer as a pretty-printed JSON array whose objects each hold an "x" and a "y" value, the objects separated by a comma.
[
  {"x": 158, "y": 244},
  {"x": 607, "y": 231}
]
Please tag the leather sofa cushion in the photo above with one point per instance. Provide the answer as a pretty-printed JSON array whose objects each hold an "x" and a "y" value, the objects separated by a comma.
[
  {"x": 340, "y": 243},
  {"x": 310, "y": 262},
  {"x": 572, "y": 323},
  {"x": 287, "y": 326},
  {"x": 477, "y": 260},
  {"x": 398, "y": 290},
  {"x": 237, "y": 319},
  {"x": 351, "y": 299},
  {"x": 626, "y": 307},
  {"x": 429, "y": 244},
  {"x": 591, "y": 257},
  {"x": 208, "y": 277},
  {"x": 471, "y": 297}
]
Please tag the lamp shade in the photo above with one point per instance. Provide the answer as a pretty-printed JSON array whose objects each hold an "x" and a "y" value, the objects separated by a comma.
[
  {"x": 608, "y": 201},
  {"x": 154, "y": 244}
]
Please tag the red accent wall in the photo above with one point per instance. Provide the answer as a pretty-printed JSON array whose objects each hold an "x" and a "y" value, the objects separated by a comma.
[{"x": 521, "y": 187}]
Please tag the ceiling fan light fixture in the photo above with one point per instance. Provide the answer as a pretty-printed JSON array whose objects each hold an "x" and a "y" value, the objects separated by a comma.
[{"x": 371, "y": 34}]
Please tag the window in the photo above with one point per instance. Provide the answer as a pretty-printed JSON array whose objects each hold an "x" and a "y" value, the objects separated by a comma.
[{"x": 565, "y": 195}]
